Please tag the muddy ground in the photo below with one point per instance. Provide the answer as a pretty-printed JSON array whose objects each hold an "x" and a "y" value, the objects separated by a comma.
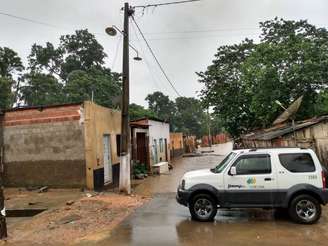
[{"x": 87, "y": 219}]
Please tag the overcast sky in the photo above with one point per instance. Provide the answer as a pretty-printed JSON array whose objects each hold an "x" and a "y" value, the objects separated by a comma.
[{"x": 184, "y": 37}]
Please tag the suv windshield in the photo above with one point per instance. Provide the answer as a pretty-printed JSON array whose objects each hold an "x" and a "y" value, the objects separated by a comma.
[{"x": 219, "y": 168}]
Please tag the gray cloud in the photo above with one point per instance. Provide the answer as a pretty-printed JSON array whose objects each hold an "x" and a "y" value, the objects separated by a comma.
[{"x": 181, "y": 53}]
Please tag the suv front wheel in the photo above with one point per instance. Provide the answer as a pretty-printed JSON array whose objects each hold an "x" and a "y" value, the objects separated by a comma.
[
  {"x": 305, "y": 209},
  {"x": 203, "y": 207}
]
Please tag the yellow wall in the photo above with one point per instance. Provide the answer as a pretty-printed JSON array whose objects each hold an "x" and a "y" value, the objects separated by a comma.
[
  {"x": 176, "y": 140},
  {"x": 99, "y": 121}
]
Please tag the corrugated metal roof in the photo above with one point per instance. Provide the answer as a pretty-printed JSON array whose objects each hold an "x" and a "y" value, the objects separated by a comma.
[{"x": 283, "y": 129}]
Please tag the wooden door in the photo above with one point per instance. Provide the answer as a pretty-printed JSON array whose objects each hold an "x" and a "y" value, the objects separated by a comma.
[
  {"x": 141, "y": 148},
  {"x": 165, "y": 145}
]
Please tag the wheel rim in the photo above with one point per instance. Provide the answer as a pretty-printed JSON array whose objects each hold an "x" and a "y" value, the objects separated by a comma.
[
  {"x": 203, "y": 207},
  {"x": 306, "y": 210}
]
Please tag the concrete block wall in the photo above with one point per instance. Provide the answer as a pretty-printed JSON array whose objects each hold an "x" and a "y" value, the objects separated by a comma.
[{"x": 45, "y": 146}]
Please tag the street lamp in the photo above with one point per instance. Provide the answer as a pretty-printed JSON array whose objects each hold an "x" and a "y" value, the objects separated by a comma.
[{"x": 112, "y": 31}]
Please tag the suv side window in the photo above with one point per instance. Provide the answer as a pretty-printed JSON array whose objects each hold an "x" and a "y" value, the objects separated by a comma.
[
  {"x": 253, "y": 164},
  {"x": 297, "y": 162}
]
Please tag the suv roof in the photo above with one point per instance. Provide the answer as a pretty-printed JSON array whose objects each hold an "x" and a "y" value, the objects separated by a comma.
[{"x": 279, "y": 149}]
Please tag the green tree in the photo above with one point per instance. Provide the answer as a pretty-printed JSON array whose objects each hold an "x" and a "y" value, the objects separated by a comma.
[
  {"x": 10, "y": 63},
  {"x": 46, "y": 58},
  {"x": 245, "y": 79},
  {"x": 137, "y": 111},
  {"x": 290, "y": 62},
  {"x": 321, "y": 104},
  {"x": 161, "y": 105},
  {"x": 103, "y": 84},
  {"x": 77, "y": 63},
  {"x": 190, "y": 117},
  {"x": 82, "y": 52},
  {"x": 6, "y": 95},
  {"x": 41, "y": 89},
  {"x": 225, "y": 90},
  {"x": 10, "y": 68}
]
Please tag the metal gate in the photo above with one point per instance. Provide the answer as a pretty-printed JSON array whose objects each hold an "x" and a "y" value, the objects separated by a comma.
[{"x": 108, "y": 177}]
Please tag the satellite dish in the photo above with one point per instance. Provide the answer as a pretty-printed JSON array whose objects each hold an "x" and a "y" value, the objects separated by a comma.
[
  {"x": 111, "y": 31},
  {"x": 290, "y": 112}
]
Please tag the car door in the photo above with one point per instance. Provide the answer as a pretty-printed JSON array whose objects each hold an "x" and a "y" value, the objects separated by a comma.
[{"x": 254, "y": 182}]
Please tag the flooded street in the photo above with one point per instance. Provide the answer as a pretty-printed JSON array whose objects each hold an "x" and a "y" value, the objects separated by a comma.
[{"x": 163, "y": 221}]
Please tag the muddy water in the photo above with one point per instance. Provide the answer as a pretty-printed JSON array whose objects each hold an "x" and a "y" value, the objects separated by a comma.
[
  {"x": 164, "y": 222},
  {"x": 169, "y": 183}
]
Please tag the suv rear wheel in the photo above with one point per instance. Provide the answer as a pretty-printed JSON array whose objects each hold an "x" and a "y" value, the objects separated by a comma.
[
  {"x": 305, "y": 209},
  {"x": 203, "y": 207}
]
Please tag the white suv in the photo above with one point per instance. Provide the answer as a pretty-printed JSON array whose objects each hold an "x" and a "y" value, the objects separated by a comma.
[{"x": 289, "y": 178}]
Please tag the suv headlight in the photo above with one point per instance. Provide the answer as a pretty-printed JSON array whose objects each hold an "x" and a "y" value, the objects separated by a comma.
[{"x": 183, "y": 184}]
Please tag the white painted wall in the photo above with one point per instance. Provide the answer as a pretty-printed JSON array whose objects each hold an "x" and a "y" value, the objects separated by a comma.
[{"x": 159, "y": 130}]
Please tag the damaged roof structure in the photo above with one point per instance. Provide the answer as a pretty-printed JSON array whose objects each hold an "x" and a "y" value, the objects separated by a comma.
[{"x": 311, "y": 133}]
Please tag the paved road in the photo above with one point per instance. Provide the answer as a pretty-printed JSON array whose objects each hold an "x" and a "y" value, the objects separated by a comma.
[{"x": 163, "y": 222}]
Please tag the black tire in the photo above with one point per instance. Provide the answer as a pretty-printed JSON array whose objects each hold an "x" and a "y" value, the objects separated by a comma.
[
  {"x": 203, "y": 204},
  {"x": 304, "y": 209}
]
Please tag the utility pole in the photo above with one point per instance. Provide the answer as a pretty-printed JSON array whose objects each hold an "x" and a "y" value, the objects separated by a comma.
[
  {"x": 125, "y": 176},
  {"x": 3, "y": 225}
]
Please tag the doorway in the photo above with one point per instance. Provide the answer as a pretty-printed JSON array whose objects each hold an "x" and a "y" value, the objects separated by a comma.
[
  {"x": 142, "y": 148},
  {"x": 108, "y": 177},
  {"x": 165, "y": 146}
]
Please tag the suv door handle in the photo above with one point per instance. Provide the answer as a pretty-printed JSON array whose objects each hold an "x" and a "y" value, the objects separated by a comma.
[{"x": 267, "y": 179}]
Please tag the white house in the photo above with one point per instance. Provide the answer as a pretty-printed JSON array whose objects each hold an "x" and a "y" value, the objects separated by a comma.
[{"x": 150, "y": 139}]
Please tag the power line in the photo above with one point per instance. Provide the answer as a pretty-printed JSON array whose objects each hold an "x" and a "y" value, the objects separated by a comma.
[
  {"x": 153, "y": 54},
  {"x": 164, "y": 4},
  {"x": 146, "y": 60},
  {"x": 30, "y": 20}
]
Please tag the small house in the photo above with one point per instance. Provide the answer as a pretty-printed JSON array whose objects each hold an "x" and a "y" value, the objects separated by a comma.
[
  {"x": 311, "y": 133},
  {"x": 70, "y": 145},
  {"x": 177, "y": 146},
  {"x": 150, "y": 140}
]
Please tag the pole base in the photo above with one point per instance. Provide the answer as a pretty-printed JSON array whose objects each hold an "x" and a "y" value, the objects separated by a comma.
[{"x": 125, "y": 177}]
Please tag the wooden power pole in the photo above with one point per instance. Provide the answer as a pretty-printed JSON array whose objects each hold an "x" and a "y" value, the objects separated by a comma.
[
  {"x": 3, "y": 225},
  {"x": 125, "y": 176}
]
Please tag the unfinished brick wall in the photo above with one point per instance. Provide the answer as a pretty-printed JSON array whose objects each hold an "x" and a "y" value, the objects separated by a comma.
[{"x": 44, "y": 146}]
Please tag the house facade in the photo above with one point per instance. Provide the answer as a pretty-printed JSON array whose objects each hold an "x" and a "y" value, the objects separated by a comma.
[
  {"x": 311, "y": 133},
  {"x": 177, "y": 144},
  {"x": 71, "y": 145},
  {"x": 150, "y": 140}
]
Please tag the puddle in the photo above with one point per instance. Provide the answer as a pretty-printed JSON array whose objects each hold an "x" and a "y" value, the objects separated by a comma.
[{"x": 30, "y": 212}]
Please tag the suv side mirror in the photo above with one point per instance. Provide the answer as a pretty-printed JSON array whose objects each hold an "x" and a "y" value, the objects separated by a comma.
[{"x": 233, "y": 171}]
